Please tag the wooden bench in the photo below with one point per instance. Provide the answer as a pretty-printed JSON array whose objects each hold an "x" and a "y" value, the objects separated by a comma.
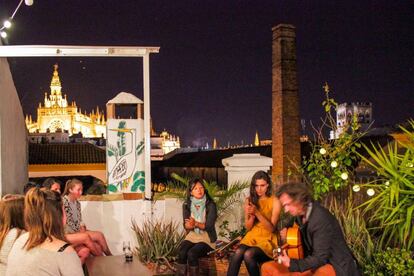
[
  {"x": 115, "y": 266},
  {"x": 212, "y": 267}
]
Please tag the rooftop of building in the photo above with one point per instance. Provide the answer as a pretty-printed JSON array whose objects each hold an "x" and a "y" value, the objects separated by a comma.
[{"x": 65, "y": 153}]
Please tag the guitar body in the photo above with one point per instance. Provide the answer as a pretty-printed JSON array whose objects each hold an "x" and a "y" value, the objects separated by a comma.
[{"x": 293, "y": 245}]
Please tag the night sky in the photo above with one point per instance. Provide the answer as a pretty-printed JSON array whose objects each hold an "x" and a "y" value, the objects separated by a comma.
[{"x": 212, "y": 77}]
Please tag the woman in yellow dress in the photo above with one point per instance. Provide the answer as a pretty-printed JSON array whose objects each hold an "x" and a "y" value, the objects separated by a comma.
[{"x": 262, "y": 211}]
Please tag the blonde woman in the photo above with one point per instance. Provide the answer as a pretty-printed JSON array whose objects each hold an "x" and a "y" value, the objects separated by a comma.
[
  {"x": 43, "y": 249},
  {"x": 11, "y": 226},
  {"x": 75, "y": 229}
]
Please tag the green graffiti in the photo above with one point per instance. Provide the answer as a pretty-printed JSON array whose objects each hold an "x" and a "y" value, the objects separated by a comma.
[
  {"x": 112, "y": 188},
  {"x": 139, "y": 182}
]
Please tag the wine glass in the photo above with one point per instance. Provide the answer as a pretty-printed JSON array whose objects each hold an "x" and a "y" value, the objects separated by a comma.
[{"x": 126, "y": 247}]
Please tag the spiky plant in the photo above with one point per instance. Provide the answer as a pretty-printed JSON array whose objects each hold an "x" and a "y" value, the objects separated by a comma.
[
  {"x": 157, "y": 241},
  {"x": 224, "y": 199},
  {"x": 354, "y": 227},
  {"x": 392, "y": 207}
]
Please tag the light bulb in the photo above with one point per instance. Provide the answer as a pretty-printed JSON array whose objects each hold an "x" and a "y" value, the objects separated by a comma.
[
  {"x": 334, "y": 164},
  {"x": 28, "y": 2},
  {"x": 322, "y": 151},
  {"x": 344, "y": 176},
  {"x": 7, "y": 24},
  {"x": 370, "y": 192},
  {"x": 356, "y": 188},
  {"x": 3, "y": 34}
]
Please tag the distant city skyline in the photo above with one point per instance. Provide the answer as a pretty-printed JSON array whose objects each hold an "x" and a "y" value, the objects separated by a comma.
[{"x": 212, "y": 77}]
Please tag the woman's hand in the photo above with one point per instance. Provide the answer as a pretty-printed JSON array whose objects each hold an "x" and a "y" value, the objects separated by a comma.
[
  {"x": 251, "y": 209},
  {"x": 189, "y": 223},
  {"x": 199, "y": 225}
]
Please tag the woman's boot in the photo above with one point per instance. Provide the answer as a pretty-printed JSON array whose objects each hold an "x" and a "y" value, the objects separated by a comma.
[{"x": 180, "y": 269}]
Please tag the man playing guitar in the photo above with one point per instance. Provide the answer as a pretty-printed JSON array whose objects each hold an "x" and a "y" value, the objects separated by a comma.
[{"x": 325, "y": 249}]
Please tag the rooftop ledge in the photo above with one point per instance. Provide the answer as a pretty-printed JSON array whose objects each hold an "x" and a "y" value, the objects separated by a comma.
[
  {"x": 112, "y": 197},
  {"x": 75, "y": 51}
]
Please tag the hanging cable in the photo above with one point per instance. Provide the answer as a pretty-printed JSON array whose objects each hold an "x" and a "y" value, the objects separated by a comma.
[{"x": 8, "y": 22}]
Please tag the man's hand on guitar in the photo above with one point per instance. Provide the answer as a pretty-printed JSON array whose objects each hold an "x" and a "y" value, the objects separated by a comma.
[{"x": 283, "y": 259}]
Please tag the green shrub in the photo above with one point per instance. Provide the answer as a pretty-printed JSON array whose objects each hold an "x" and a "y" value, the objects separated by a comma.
[
  {"x": 393, "y": 261},
  {"x": 230, "y": 234},
  {"x": 158, "y": 242},
  {"x": 331, "y": 162}
]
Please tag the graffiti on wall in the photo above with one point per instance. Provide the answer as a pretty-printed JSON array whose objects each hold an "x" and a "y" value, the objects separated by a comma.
[{"x": 124, "y": 156}]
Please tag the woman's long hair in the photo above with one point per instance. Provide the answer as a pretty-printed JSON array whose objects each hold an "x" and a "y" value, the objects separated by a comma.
[
  {"x": 11, "y": 215},
  {"x": 254, "y": 198},
  {"x": 48, "y": 183},
  {"x": 70, "y": 184},
  {"x": 190, "y": 187},
  {"x": 43, "y": 216}
]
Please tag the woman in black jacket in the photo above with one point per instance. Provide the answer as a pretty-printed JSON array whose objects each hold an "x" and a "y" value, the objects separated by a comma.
[{"x": 199, "y": 215}]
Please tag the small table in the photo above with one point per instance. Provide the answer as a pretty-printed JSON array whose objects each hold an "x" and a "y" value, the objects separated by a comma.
[{"x": 114, "y": 266}]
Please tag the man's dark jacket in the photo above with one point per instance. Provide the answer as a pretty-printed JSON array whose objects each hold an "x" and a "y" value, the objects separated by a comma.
[
  {"x": 324, "y": 243},
  {"x": 211, "y": 216}
]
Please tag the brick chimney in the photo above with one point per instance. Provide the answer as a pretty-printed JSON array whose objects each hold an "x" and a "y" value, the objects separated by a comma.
[{"x": 285, "y": 104}]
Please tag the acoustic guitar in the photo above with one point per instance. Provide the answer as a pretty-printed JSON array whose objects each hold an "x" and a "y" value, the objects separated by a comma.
[{"x": 293, "y": 244}]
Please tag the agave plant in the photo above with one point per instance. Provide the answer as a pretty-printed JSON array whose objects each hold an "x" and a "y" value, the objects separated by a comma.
[
  {"x": 157, "y": 242},
  {"x": 224, "y": 199},
  {"x": 392, "y": 207}
]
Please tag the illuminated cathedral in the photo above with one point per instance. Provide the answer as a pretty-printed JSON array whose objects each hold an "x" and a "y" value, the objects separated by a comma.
[{"x": 56, "y": 115}]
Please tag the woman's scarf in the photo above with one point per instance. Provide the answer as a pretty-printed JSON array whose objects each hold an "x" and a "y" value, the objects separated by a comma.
[{"x": 198, "y": 213}]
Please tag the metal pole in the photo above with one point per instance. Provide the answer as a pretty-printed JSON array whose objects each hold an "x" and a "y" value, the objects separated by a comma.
[{"x": 147, "y": 131}]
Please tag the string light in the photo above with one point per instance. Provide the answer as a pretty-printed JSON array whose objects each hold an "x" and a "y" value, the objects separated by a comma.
[
  {"x": 356, "y": 188},
  {"x": 8, "y": 23}
]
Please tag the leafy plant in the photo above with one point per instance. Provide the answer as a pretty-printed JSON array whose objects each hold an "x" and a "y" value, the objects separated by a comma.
[
  {"x": 392, "y": 261},
  {"x": 230, "y": 234},
  {"x": 331, "y": 162},
  {"x": 391, "y": 209},
  {"x": 224, "y": 199},
  {"x": 158, "y": 242}
]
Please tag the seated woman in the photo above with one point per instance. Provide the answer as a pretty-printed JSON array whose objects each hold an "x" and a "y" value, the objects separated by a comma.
[
  {"x": 43, "y": 249},
  {"x": 75, "y": 229},
  {"x": 199, "y": 215},
  {"x": 55, "y": 185},
  {"x": 262, "y": 211},
  {"x": 11, "y": 226},
  {"x": 52, "y": 184}
]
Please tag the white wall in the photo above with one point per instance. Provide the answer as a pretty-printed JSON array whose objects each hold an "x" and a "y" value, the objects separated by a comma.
[
  {"x": 13, "y": 135},
  {"x": 113, "y": 218}
]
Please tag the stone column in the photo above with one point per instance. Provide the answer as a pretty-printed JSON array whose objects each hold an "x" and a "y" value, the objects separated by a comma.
[
  {"x": 285, "y": 103},
  {"x": 13, "y": 136},
  {"x": 240, "y": 168}
]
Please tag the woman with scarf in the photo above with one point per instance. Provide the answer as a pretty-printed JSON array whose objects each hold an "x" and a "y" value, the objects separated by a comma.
[{"x": 199, "y": 215}]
